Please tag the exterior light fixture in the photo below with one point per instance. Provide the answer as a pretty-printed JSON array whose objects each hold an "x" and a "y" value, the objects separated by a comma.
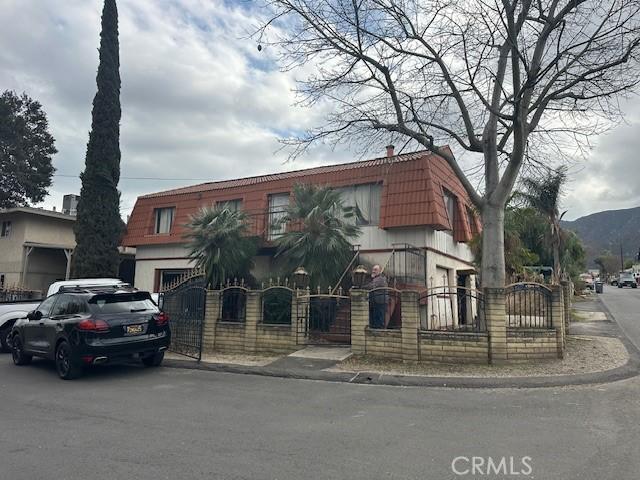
[
  {"x": 301, "y": 277},
  {"x": 359, "y": 276}
]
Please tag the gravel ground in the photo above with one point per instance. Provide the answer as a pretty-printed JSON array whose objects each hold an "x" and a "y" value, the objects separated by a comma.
[
  {"x": 584, "y": 354},
  {"x": 232, "y": 359}
]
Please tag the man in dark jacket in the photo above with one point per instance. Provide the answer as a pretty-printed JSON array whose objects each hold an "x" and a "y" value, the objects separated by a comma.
[{"x": 377, "y": 297}]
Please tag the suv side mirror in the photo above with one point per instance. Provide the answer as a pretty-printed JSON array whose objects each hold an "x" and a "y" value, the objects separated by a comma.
[{"x": 34, "y": 315}]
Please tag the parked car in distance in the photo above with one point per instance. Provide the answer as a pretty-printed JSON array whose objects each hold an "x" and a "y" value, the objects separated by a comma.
[
  {"x": 614, "y": 281},
  {"x": 627, "y": 280},
  {"x": 82, "y": 326}
]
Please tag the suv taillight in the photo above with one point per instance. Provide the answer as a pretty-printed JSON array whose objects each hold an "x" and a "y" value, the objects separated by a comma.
[
  {"x": 161, "y": 318},
  {"x": 89, "y": 325}
]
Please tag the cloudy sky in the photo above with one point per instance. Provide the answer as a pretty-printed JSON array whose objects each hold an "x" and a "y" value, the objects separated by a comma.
[{"x": 199, "y": 102}]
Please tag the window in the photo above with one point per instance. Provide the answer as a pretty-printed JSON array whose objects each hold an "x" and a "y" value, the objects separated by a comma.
[
  {"x": 164, "y": 219},
  {"x": 122, "y": 303},
  {"x": 5, "y": 230},
  {"x": 278, "y": 204},
  {"x": 1, "y": 281},
  {"x": 365, "y": 199},
  {"x": 76, "y": 306},
  {"x": 450, "y": 205},
  {"x": 45, "y": 306},
  {"x": 233, "y": 205},
  {"x": 61, "y": 306},
  {"x": 69, "y": 305},
  {"x": 167, "y": 277}
]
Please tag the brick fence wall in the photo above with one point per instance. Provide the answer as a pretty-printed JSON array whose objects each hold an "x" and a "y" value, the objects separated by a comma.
[
  {"x": 527, "y": 344},
  {"x": 498, "y": 344},
  {"x": 451, "y": 347}
]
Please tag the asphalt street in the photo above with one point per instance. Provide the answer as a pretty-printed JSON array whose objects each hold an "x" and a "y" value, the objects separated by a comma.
[{"x": 128, "y": 422}]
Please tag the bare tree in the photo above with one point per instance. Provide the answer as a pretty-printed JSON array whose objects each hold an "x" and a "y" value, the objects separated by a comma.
[{"x": 515, "y": 81}]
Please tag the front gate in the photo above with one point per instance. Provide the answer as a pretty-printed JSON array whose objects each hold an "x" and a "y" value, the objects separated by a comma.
[
  {"x": 528, "y": 305},
  {"x": 323, "y": 319},
  {"x": 185, "y": 303}
]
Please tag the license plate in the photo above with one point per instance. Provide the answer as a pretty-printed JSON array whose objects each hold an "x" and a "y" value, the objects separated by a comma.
[{"x": 134, "y": 329}]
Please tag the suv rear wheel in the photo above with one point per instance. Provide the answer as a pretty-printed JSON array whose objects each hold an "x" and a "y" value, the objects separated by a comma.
[
  {"x": 153, "y": 360},
  {"x": 17, "y": 352},
  {"x": 66, "y": 367}
]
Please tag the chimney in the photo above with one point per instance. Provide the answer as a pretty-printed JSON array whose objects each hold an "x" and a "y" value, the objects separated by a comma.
[{"x": 390, "y": 151}]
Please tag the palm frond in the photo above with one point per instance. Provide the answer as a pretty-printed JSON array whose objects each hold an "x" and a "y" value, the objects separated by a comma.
[
  {"x": 219, "y": 241},
  {"x": 320, "y": 233}
]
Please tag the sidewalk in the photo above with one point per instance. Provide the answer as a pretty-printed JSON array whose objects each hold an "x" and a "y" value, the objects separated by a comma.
[{"x": 333, "y": 364}]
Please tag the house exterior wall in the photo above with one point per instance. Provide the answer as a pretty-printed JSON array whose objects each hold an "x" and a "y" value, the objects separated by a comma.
[
  {"x": 11, "y": 251},
  {"x": 45, "y": 265},
  {"x": 41, "y": 229},
  {"x": 376, "y": 246}
]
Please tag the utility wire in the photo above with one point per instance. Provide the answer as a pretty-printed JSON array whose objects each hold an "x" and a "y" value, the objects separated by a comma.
[{"x": 145, "y": 178}]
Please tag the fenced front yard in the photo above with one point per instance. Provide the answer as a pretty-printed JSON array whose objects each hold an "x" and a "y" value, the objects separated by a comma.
[{"x": 441, "y": 324}]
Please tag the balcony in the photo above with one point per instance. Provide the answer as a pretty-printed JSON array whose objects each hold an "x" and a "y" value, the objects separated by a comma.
[{"x": 266, "y": 224}]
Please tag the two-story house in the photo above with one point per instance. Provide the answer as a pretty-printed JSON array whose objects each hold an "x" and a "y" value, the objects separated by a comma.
[{"x": 410, "y": 199}]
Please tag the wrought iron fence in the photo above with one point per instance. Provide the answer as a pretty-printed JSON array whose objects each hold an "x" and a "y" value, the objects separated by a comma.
[
  {"x": 407, "y": 265},
  {"x": 276, "y": 305},
  {"x": 323, "y": 319},
  {"x": 528, "y": 305},
  {"x": 16, "y": 294},
  {"x": 233, "y": 305},
  {"x": 185, "y": 305},
  {"x": 384, "y": 308},
  {"x": 447, "y": 308}
]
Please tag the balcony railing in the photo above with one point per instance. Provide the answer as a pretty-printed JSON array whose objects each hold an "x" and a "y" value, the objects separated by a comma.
[{"x": 268, "y": 224}]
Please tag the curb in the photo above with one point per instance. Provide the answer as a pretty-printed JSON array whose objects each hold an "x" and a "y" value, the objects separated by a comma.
[{"x": 626, "y": 371}]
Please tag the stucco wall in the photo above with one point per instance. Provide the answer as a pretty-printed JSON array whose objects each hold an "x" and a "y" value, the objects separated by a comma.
[
  {"x": 45, "y": 265},
  {"x": 11, "y": 250},
  {"x": 150, "y": 258},
  {"x": 55, "y": 231}
]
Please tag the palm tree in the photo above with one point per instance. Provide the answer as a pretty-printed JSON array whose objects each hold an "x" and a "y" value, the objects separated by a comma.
[
  {"x": 543, "y": 194},
  {"x": 219, "y": 242},
  {"x": 319, "y": 233}
]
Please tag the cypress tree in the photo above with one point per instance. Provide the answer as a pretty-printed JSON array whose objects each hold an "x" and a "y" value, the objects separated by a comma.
[{"x": 99, "y": 227}]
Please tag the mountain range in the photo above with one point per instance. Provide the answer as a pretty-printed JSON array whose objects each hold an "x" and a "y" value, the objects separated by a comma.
[{"x": 608, "y": 231}]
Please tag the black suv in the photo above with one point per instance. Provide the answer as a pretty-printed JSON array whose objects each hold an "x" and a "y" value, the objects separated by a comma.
[{"x": 78, "y": 327}]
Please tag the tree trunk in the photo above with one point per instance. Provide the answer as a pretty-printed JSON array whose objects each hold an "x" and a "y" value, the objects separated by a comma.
[
  {"x": 556, "y": 261},
  {"x": 493, "y": 268}
]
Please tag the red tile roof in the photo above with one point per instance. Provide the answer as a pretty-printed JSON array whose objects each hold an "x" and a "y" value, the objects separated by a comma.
[
  {"x": 412, "y": 195},
  {"x": 244, "y": 182}
]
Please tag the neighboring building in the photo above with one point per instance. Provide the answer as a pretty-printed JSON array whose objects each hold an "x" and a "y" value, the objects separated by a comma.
[
  {"x": 411, "y": 199},
  {"x": 35, "y": 247},
  {"x": 70, "y": 204}
]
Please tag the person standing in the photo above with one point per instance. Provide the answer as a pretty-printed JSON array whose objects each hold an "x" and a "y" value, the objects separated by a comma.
[{"x": 377, "y": 297}]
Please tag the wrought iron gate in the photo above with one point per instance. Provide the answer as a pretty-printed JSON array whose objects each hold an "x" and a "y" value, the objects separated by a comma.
[
  {"x": 528, "y": 305},
  {"x": 185, "y": 303},
  {"x": 323, "y": 319}
]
